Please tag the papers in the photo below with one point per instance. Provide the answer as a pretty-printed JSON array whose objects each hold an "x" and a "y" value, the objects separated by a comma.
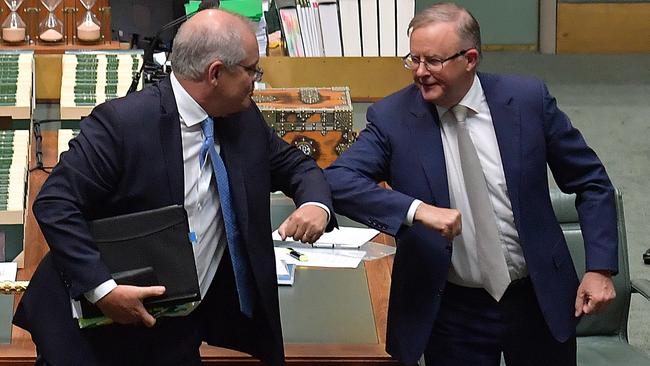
[
  {"x": 8, "y": 271},
  {"x": 343, "y": 237},
  {"x": 333, "y": 258},
  {"x": 285, "y": 272}
]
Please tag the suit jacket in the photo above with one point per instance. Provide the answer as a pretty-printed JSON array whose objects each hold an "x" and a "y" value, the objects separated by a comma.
[
  {"x": 128, "y": 158},
  {"x": 402, "y": 145}
]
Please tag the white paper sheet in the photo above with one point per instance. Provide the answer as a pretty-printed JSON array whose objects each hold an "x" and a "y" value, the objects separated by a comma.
[
  {"x": 8, "y": 271},
  {"x": 333, "y": 258},
  {"x": 343, "y": 237}
]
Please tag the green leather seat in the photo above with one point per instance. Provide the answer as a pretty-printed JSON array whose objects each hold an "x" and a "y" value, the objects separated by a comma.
[{"x": 602, "y": 338}]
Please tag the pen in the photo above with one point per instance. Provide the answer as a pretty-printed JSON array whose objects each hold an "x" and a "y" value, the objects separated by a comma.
[{"x": 299, "y": 256}]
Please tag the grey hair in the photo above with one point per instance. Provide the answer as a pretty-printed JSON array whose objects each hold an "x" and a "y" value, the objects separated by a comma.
[
  {"x": 195, "y": 48},
  {"x": 468, "y": 29}
]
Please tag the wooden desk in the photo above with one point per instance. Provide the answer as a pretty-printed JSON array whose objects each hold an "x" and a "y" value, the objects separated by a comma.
[{"x": 21, "y": 351}]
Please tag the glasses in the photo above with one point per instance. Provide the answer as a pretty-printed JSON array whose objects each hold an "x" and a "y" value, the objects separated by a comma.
[
  {"x": 431, "y": 64},
  {"x": 256, "y": 72}
]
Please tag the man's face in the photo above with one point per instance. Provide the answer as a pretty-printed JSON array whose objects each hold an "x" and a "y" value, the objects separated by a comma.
[
  {"x": 447, "y": 86},
  {"x": 236, "y": 82}
]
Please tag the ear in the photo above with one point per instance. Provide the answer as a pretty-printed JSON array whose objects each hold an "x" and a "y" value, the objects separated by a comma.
[
  {"x": 214, "y": 70},
  {"x": 472, "y": 57}
]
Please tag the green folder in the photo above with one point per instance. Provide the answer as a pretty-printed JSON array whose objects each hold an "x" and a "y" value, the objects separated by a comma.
[{"x": 251, "y": 9}]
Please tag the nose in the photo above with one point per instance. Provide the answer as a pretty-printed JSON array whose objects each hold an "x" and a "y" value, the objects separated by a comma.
[{"x": 421, "y": 71}]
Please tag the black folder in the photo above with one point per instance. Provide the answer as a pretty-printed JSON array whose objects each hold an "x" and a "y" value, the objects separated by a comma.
[{"x": 148, "y": 248}]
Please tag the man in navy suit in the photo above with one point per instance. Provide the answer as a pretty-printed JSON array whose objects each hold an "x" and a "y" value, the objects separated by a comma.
[
  {"x": 444, "y": 303},
  {"x": 143, "y": 152}
]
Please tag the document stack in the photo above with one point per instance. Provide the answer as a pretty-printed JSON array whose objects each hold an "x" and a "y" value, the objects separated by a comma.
[
  {"x": 16, "y": 104},
  {"x": 14, "y": 147},
  {"x": 91, "y": 78},
  {"x": 16, "y": 96}
]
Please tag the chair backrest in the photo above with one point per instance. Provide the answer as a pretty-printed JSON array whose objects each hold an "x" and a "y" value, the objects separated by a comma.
[{"x": 613, "y": 320}]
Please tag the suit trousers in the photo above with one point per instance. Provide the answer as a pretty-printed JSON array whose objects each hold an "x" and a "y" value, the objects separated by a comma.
[{"x": 474, "y": 329}]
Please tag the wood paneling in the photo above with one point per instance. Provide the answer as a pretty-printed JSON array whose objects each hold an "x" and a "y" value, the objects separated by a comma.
[
  {"x": 603, "y": 27},
  {"x": 369, "y": 78}
]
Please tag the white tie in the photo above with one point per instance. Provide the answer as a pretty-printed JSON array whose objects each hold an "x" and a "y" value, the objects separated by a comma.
[{"x": 491, "y": 259}]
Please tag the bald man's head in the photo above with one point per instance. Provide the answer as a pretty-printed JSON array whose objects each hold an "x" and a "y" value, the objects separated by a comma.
[{"x": 208, "y": 35}]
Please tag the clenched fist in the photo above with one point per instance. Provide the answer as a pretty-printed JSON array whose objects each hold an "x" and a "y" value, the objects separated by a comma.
[{"x": 446, "y": 221}]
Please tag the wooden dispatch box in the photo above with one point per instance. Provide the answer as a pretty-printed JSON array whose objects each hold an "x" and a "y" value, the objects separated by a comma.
[{"x": 318, "y": 121}]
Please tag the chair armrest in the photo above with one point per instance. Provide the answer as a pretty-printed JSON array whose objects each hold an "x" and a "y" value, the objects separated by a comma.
[{"x": 641, "y": 286}]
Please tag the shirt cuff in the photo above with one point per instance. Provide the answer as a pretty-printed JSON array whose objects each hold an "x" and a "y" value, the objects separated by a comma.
[
  {"x": 319, "y": 205},
  {"x": 410, "y": 215},
  {"x": 100, "y": 291}
]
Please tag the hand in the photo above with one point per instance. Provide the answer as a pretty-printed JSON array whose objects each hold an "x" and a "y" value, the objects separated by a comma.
[
  {"x": 595, "y": 292},
  {"x": 446, "y": 221},
  {"x": 124, "y": 304},
  {"x": 305, "y": 224}
]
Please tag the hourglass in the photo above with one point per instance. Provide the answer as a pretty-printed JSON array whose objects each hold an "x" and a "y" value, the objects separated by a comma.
[
  {"x": 13, "y": 28},
  {"x": 51, "y": 29},
  {"x": 88, "y": 28}
]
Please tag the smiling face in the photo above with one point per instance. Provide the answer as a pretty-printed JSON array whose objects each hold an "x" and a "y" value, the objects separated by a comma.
[{"x": 447, "y": 86}]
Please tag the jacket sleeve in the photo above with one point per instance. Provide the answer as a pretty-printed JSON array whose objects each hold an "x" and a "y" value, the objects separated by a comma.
[
  {"x": 577, "y": 169},
  {"x": 297, "y": 175},
  {"x": 84, "y": 176},
  {"x": 354, "y": 179}
]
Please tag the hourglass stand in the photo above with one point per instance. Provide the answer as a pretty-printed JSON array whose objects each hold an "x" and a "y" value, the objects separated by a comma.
[
  {"x": 88, "y": 27},
  {"x": 13, "y": 27},
  {"x": 51, "y": 29}
]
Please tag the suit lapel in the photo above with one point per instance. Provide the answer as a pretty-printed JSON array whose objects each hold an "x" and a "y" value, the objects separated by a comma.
[
  {"x": 232, "y": 155},
  {"x": 170, "y": 137},
  {"x": 507, "y": 126},
  {"x": 424, "y": 126}
]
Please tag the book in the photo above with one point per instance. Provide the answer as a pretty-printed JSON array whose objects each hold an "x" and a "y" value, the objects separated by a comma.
[
  {"x": 331, "y": 28},
  {"x": 350, "y": 27},
  {"x": 369, "y": 28},
  {"x": 387, "y": 35},
  {"x": 291, "y": 27},
  {"x": 405, "y": 12}
]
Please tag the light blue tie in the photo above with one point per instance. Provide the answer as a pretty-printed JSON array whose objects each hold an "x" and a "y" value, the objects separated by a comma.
[{"x": 240, "y": 264}]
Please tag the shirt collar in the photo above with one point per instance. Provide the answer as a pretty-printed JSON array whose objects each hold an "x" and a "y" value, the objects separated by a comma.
[
  {"x": 190, "y": 111},
  {"x": 471, "y": 100}
]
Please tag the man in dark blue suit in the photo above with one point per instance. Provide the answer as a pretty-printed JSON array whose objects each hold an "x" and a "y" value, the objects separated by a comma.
[
  {"x": 482, "y": 267},
  {"x": 153, "y": 149}
]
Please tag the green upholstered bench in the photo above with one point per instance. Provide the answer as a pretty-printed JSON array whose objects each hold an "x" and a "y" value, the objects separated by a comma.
[{"x": 602, "y": 338}]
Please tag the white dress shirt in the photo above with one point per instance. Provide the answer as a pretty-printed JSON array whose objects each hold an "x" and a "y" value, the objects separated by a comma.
[
  {"x": 201, "y": 197},
  {"x": 464, "y": 269}
]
